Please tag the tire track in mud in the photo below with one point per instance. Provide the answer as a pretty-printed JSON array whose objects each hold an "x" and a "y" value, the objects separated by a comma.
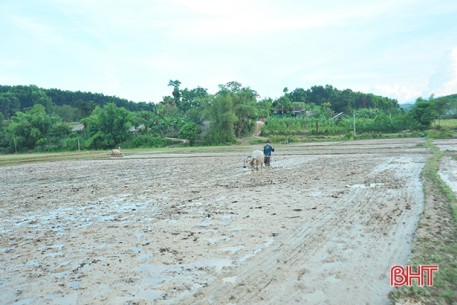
[
  {"x": 374, "y": 220},
  {"x": 264, "y": 269}
]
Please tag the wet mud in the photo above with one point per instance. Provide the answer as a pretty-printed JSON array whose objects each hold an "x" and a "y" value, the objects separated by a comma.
[{"x": 323, "y": 225}]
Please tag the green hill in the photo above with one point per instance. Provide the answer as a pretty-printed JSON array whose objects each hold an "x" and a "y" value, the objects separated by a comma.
[{"x": 20, "y": 98}]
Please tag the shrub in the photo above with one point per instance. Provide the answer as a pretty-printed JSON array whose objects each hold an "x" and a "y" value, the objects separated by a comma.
[{"x": 442, "y": 133}]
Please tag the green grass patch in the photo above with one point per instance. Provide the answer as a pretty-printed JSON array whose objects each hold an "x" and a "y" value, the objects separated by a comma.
[
  {"x": 441, "y": 133},
  {"x": 449, "y": 123},
  {"x": 49, "y": 157}
]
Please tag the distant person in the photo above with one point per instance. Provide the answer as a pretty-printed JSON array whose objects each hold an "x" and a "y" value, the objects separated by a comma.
[{"x": 267, "y": 150}]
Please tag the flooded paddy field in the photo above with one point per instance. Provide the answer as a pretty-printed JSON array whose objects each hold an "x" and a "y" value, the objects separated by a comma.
[{"x": 323, "y": 225}]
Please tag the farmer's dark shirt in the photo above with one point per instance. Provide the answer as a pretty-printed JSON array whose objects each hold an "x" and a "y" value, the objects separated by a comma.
[{"x": 267, "y": 149}]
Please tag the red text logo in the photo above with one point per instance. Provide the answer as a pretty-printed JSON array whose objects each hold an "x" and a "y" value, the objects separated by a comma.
[{"x": 423, "y": 274}]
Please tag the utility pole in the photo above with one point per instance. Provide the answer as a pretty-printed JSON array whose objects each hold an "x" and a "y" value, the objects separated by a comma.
[{"x": 354, "y": 125}]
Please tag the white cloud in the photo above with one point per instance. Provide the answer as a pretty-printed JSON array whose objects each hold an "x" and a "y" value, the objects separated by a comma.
[
  {"x": 401, "y": 93},
  {"x": 131, "y": 49},
  {"x": 243, "y": 18},
  {"x": 444, "y": 81}
]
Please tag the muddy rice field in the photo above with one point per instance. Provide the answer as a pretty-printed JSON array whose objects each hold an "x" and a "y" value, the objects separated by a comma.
[{"x": 322, "y": 225}]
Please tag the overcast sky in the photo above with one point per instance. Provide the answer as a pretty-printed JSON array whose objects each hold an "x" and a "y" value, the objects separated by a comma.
[{"x": 402, "y": 49}]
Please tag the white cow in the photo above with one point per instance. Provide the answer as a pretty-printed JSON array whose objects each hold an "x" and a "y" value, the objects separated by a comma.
[
  {"x": 117, "y": 152},
  {"x": 255, "y": 159}
]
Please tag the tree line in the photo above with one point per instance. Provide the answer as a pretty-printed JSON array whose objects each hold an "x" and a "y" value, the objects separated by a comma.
[{"x": 37, "y": 119}]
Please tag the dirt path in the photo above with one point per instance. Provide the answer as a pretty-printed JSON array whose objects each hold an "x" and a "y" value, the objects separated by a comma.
[{"x": 323, "y": 226}]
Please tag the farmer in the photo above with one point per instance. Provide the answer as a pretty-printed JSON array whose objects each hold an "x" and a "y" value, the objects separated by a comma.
[{"x": 267, "y": 150}]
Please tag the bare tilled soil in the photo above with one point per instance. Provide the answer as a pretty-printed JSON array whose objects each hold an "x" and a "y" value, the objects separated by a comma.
[
  {"x": 448, "y": 165},
  {"x": 323, "y": 225}
]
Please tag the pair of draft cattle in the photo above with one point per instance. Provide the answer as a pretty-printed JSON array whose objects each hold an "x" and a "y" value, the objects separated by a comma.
[{"x": 254, "y": 160}]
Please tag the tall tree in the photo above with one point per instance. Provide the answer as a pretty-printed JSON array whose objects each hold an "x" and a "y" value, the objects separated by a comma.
[
  {"x": 441, "y": 107},
  {"x": 30, "y": 129},
  {"x": 282, "y": 105},
  {"x": 244, "y": 101},
  {"x": 264, "y": 107},
  {"x": 109, "y": 126},
  {"x": 298, "y": 95},
  {"x": 9, "y": 104},
  {"x": 190, "y": 130},
  {"x": 192, "y": 99},
  {"x": 67, "y": 113},
  {"x": 424, "y": 112},
  {"x": 219, "y": 111},
  {"x": 176, "y": 93}
]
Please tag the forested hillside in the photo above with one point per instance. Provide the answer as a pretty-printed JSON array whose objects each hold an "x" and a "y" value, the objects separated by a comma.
[
  {"x": 37, "y": 119},
  {"x": 21, "y": 98},
  {"x": 447, "y": 106}
]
